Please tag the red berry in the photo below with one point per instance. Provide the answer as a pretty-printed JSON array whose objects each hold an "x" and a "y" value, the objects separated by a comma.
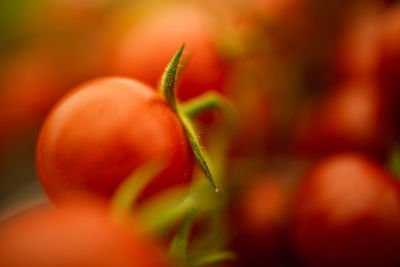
[
  {"x": 102, "y": 131},
  {"x": 347, "y": 213}
]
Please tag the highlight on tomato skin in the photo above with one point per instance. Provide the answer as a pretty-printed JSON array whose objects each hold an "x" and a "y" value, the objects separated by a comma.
[
  {"x": 79, "y": 233},
  {"x": 347, "y": 213},
  {"x": 102, "y": 131},
  {"x": 146, "y": 48}
]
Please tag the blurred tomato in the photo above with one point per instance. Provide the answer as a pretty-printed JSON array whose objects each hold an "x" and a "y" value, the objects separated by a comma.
[
  {"x": 389, "y": 61},
  {"x": 356, "y": 53},
  {"x": 30, "y": 85},
  {"x": 78, "y": 234},
  {"x": 352, "y": 116},
  {"x": 347, "y": 213},
  {"x": 144, "y": 51},
  {"x": 260, "y": 215},
  {"x": 105, "y": 129}
]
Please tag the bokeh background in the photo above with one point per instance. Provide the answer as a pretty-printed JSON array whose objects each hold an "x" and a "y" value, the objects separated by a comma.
[{"x": 309, "y": 77}]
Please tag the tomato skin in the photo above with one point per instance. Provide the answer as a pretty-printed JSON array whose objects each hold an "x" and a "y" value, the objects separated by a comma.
[
  {"x": 347, "y": 213},
  {"x": 389, "y": 56},
  {"x": 99, "y": 133},
  {"x": 29, "y": 86},
  {"x": 351, "y": 117},
  {"x": 145, "y": 50},
  {"x": 356, "y": 54},
  {"x": 78, "y": 234},
  {"x": 260, "y": 214}
]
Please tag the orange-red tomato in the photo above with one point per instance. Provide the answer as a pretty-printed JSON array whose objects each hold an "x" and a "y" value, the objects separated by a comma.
[
  {"x": 102, "y": 131},
  {"x": 78, "y": 234},
  {"x": 389, "y": 60},
  {"x": 29, "y": 86},
  {"x": 144, "y": 51},
  {"x": 347, "y": 213},
  {"x": 356, "y": 54},
  {"x": 353, "y": 117},
  {"x": 260, "y": 216}
]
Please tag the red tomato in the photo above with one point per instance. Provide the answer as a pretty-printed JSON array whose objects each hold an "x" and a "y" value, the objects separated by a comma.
[
  {"x": 356, "y": 54},
  {"x": 99, "y": 133},
  {"x": 347, "y": 213},
  {"x": 29, "y": 86},
  {"x": 389, "y": 61},
  {"x": 353, "y": 116},
  {"x": 78, "y": 234},
  {"x": 144, "y": 51},
  {"x": 260, "y": 215}
]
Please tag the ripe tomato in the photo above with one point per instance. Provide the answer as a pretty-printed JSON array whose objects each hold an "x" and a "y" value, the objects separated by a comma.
[
  {"x": 144, "y": 51},
  {"x": 99, "y": 133},
  {"x": 347, "y": 213},
  {"x": 29, "y": 86},
  {"x": 353, "y": 116},
  {"x": 260, "y": 215},
  {"x": 78, "y": 234},
  {"x": 356, "y": 53},
  {"x": 389, "y": 60}
]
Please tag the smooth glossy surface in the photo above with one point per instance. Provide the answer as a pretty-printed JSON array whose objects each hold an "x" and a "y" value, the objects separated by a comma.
[{"x": 98, "y": 134}]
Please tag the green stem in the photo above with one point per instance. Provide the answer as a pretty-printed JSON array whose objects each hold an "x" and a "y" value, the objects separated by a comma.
[
  {"x": 202, "y": 103},
  {"x": 160, "y": 216},
  {"x": 198, "y": 151},
  {"x": 394, "y": 161},
  {"x": 179, "y": 244},
  {"x": 169, "y": 78},
  {"x": 212, "y": 258},
  {"x": 167, "y": 89},
  {"x": 129, "y": 190},
  {"x": 210, "y": 101}
]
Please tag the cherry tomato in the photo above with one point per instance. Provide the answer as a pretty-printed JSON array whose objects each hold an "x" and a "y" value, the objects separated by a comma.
[
  {"x": 29, "y": 86},
  {"x": 347, "y": 213},
  {"x": 353, "y": 117},
  {"x": 77, "y": 234},
  {"x": 389, "y": 60},
  {"x": 102, "y": 131},
  {"x": 144, "y": 51},
  {"x": 356, "y": 53},
  {"x": 260, "y": 215}
]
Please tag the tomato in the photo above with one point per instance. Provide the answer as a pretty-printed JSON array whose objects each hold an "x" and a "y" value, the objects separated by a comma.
[
  {"x": 254, "y": 106},
  {"x": 29, "y": 86},
  {"x": 353, "y": 116},
  {"x": 260, "y": 215},
  {"x": 347, "y": 213},
  {"x": 77, "y": 234},
  {"x": 144, "y": 51},
  {"x": 389, "y": 57},
  {"x": 102, "y": 131},
  {"x": 356, "y": 53}
]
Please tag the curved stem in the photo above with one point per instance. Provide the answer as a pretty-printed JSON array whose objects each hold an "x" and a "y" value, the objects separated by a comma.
[
  {"x": 212, "y": 258},
  {"x": 169, "y": 77},
  {"x": 160, "y": 216},
  {"x": 128, "y": 192},
  {"x": 179, "y": 244},
  {"x": 167, "y": 89},
  {"x": 210, "y": 101},
  {"x": 198, "y": 151},
  {"x": 394, "y": 161}
]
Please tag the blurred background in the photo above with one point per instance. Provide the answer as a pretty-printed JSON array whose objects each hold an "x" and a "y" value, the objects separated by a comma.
[{"x": 309, "y": 77}]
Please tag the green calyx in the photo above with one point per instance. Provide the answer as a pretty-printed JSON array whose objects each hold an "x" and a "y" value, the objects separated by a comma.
[{"x": 168, "y": 91}]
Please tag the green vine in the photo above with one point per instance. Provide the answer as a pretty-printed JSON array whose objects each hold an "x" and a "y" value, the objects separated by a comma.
[{"x": 168, "y": 91}]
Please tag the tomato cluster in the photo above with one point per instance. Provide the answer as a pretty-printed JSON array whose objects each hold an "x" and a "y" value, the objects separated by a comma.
[{"x": 297, "y": 167}]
